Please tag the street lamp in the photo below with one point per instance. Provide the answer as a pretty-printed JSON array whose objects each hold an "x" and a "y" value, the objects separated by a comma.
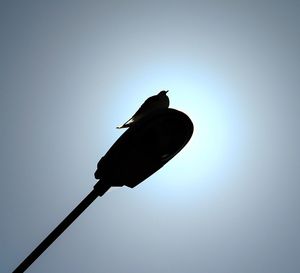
[{"x": 138, "y": 153}]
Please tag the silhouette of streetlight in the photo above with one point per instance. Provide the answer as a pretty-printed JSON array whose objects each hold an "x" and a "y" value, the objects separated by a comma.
[{"x": 138, "y": 153}]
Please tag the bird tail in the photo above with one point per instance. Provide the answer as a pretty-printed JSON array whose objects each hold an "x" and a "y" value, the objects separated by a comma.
[
  {"x": 123, "y": 126},
  {"x": 126, "y": 124}
]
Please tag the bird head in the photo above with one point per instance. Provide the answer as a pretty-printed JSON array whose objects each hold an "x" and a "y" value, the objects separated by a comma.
[{"x": 163, "y": 92}]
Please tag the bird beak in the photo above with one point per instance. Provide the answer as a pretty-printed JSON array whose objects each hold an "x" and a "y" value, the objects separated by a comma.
[{"x": 167, "y": 91}]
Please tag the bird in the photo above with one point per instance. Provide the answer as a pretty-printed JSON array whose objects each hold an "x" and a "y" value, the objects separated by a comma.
[{"x": 153, "y": 103}]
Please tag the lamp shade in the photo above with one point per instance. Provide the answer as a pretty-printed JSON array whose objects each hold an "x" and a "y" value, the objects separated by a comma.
[{"x": 144, "y": 148}]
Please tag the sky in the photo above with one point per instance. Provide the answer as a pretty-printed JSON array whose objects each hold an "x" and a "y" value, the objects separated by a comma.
[{"x": 71, "y": 71}]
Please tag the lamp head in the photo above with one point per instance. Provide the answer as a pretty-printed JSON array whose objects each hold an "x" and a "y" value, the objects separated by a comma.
[{"x": 143, "y": 149}]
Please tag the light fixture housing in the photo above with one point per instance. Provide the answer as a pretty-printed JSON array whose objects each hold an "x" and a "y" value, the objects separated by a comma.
[{"x": 143, "y": 149}]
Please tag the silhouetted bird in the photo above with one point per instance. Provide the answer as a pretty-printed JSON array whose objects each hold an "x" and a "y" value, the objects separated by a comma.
[{"x": 151, "y": 104}]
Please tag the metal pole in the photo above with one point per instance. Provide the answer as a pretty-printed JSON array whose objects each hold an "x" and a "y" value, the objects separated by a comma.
[{"x": 99, "y": 191}]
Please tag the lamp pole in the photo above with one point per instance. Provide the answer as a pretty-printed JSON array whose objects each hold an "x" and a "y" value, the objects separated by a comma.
[{"x": 101, "y": 189}]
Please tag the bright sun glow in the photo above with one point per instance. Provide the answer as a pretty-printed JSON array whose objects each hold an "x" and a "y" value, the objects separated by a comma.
[{"x": 213, "y": 150}]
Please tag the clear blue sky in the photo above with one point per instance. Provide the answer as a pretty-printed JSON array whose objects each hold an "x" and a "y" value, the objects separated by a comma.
[{"x": 71, "y": 71}]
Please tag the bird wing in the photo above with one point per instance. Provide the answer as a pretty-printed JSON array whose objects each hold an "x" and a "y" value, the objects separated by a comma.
[{"x": 145, "y": 107}]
